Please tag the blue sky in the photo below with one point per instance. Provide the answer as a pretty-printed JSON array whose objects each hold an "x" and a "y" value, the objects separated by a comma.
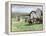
[
  {"x": 24, "y": 9},
  {"x": 21, "y": 9}
]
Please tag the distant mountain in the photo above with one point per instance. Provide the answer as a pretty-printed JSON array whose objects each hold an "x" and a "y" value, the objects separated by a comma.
[{"x": 19, "y": 14}]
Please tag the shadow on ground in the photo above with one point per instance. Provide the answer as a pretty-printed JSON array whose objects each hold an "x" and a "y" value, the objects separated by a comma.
[{"x": 28, "y": 24}]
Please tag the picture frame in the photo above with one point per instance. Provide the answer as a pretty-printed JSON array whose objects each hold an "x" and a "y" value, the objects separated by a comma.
[{"x": 8, "y": 10}]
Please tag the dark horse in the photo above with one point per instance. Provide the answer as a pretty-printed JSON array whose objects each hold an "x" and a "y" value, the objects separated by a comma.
[{"x": 29, "y": 21}]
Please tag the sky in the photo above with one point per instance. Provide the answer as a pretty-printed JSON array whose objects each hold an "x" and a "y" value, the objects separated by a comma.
[{"x": 24, "y": 9}]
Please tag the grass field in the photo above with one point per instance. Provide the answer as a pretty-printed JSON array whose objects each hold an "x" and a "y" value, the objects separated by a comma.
[{"x": 24, "y": 26}]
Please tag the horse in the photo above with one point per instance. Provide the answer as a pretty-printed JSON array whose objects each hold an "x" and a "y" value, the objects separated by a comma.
[{"x": 35, "y": 16}]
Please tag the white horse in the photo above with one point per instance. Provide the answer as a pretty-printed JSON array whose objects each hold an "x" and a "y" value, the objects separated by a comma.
[{"x": 35, "y": 15}]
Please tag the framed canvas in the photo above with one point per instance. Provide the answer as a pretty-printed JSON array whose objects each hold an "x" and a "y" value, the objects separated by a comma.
[{"x": 24, "y": 17}]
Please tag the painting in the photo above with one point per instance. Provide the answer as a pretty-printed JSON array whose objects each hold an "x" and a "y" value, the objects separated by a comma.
[{"x": 26, "y": 18}]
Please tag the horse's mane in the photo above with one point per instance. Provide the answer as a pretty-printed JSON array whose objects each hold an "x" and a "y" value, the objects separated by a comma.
[{"x": 32, "y": 11}]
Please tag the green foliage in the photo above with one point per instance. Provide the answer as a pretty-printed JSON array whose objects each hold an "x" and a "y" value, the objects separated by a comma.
[{"x": 24, "y": 26}]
